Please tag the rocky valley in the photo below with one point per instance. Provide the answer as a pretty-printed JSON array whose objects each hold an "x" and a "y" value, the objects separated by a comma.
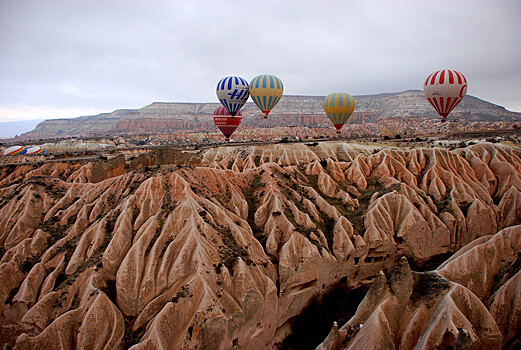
[{"x": 227, "y": 247}]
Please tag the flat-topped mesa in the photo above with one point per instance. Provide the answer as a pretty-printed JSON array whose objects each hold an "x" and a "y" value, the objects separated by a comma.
[
  {"x": 295, "y": 115},
  {"x": 225, "y": 247}
]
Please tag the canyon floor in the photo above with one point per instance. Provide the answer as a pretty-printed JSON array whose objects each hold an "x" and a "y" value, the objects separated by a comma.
[{"x": 243, "y": 246}]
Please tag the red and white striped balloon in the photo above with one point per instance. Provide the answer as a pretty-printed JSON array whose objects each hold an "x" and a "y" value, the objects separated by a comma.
[
  {"x": 221, "y": 110},
  {"x": 444, "y": 89},
  {"x": 225, "y": 122}
]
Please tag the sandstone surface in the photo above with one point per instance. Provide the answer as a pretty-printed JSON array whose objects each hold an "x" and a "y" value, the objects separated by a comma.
[
  {"x": 470, "y": 302},
  {"x": 225, "y": 247}
]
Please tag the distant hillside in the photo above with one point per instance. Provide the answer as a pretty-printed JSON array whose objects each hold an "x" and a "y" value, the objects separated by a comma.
[{"x": 168, "y": 117}]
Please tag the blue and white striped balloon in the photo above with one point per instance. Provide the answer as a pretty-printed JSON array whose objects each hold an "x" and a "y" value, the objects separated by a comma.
[{"x": 233, "y": 92}]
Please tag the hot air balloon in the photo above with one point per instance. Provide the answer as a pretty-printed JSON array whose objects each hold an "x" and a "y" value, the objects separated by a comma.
[
  {"x": 225, "y": 122},
  {"x": 14, "y": 150},
  {"x": 35, "y": 150},
  {"x": 339, "y": 106},
  {"x": 232, "y": 92},
  {"x": 444, "y": 89},
  {"x": 266, "y": 91}
]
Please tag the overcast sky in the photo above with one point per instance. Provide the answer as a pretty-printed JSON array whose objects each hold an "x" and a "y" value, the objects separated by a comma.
[{"x": 64, "y": 58}]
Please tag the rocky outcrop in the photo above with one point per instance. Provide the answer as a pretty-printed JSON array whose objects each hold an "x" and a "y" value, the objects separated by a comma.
[
  {"x": 469, "y": 302},
  {"x": 225, "y": 247}
]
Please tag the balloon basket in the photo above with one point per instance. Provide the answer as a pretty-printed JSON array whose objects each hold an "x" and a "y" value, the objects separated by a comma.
[
  {"x": 338, "y": 132},
  {"x": 265, "y": 117},
  {"x": 227, "y": 140}
]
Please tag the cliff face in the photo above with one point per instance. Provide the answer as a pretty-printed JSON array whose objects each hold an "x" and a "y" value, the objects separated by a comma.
[
  {"x": 290, "y": 111},
  {"x": 225, "y": 247}
]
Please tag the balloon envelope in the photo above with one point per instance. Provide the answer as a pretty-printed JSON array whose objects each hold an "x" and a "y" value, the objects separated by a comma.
[
  {"x": 444, "y": 89},
  {"x": 35, "y": 150},
  {"x": 225, "y": 122},
  {"x": 221, "y": 110},
  {"x": 13, "y": 150},
  {"x": 266, "y": 91},
  {"x": 232, "y": 92},
  {"x": 339, "y": 106}
]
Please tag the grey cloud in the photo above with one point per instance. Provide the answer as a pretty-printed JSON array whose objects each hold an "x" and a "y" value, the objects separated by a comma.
[{"x": 119, "y": 54}]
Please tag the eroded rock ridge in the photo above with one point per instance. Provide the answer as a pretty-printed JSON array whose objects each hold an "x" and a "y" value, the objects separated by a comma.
[{"x": 228, "y": 252}]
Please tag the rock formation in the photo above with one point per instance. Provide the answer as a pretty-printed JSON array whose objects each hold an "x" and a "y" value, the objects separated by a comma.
[
  {"x": 472, "y": 301},
  {"x": 374, "y": 114},
  {"x": 224, "y": 247}
]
